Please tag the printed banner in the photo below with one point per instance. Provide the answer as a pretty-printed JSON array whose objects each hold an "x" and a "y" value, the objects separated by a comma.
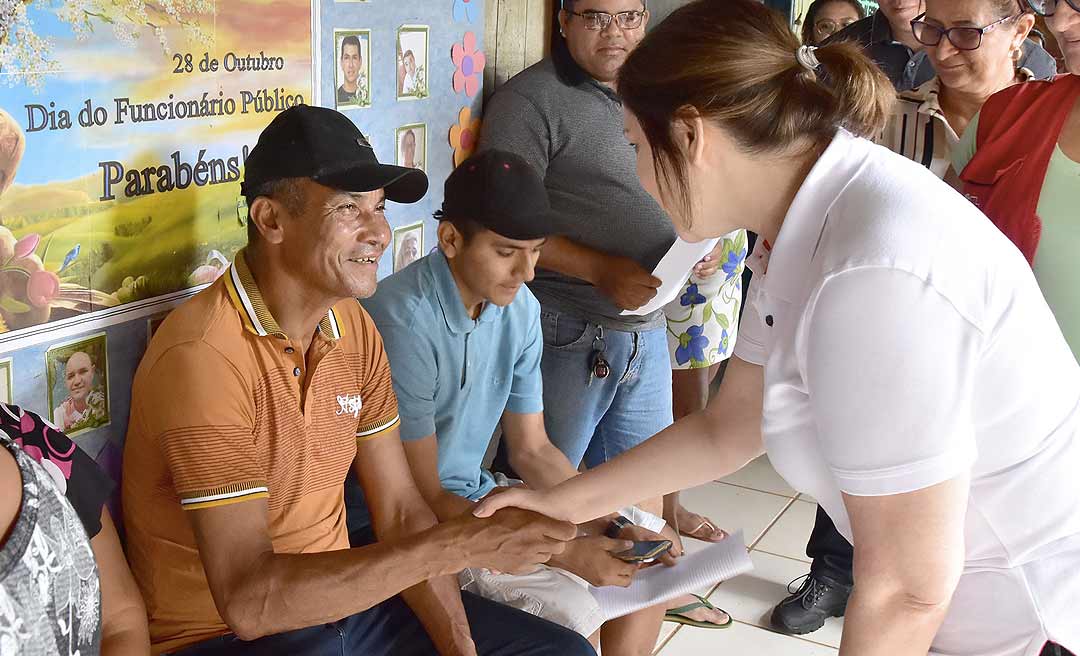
[{"x": 123, "y": 131}]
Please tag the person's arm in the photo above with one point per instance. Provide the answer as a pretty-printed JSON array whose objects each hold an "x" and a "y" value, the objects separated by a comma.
[
  {"x": 892, "y": 402},
  {"x": 621, "y": 279},
  {"x": 423, "y": 456},
  {"x": 532, "y": 455},
  {"x": 542, "y": 466},
  {"x": 904, "y": 579},
  {"x": 123, "y": 614},
  {"x": 699, "y": 448},
  {"x": 259, "y": 592},
  {"x": 398, "y": 510}
]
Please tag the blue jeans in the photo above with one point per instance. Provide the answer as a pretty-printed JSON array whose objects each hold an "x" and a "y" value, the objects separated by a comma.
[
  {"x": 391, "y": 629},
  {"x": 598, "y": 420}
]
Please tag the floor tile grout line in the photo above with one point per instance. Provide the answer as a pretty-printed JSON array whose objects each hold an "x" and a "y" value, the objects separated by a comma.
[
  {"x": 796, "y": 637},
  {"x": 798, "y": 560},
  {"x": 771, "y": 524},
  {"x": 668, "y": 640},
  {"x": 754, "y": 489},
  {"x": 749, "y": 548},
  {"x": 787, "y": 635}
]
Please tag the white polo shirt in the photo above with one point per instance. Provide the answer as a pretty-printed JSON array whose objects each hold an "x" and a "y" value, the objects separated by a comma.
[{"x": 906, "y": 342}]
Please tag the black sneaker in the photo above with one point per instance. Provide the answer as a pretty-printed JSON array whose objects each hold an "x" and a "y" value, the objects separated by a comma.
[{"x": 817, "y": 599}]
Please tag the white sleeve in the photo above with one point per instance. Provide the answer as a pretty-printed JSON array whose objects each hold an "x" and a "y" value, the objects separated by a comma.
[
  {"x": 890, "y": 366},
  {"x": 750, "y": 346}
]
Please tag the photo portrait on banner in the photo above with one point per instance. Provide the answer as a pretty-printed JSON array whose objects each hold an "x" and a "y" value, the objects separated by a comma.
[
  {"x": 353, "y": 73},
  {"x": 408, "y": 245},
  {"x": 412, "y": 146},
  {"x": 412, "y": 62},
  {"x": 78, "y": 383}
]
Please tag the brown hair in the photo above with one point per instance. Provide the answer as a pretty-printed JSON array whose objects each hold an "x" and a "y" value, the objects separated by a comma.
[
  {"x": 1011, "y": 7},
  {"x": 734, "y": 62}
]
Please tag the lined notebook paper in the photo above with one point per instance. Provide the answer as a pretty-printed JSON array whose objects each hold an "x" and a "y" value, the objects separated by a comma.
[{"x": 702, "y": 569}]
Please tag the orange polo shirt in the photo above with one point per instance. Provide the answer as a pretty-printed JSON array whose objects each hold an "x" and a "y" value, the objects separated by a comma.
[{"x": 226, "y": 409}]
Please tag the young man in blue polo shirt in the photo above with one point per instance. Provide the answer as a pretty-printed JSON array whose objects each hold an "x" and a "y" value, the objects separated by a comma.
[{"x": 464, "y": 340}]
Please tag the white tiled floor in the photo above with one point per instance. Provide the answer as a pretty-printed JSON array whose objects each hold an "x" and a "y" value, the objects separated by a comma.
[{"x": 776, "y": 524}]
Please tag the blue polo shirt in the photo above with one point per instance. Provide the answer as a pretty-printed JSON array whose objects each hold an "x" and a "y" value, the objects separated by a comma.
[{"x": 455, "y": 375}]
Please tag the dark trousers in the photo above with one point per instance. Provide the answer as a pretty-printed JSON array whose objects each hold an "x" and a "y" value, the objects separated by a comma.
[
  {"x": 391, "y": 629},
  {"x": 831, "y": 553}
]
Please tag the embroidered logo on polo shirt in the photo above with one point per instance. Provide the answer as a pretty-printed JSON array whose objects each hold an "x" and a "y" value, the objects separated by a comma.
[{"x": 349, "y": 404}]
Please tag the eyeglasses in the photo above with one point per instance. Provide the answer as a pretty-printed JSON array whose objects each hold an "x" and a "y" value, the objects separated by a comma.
[
  {"x": 1048, "y": 7},
  {"x": 963, "y": 38},
  {"x": 599, "y": 20},
  {"x": 828, "y": 26}
]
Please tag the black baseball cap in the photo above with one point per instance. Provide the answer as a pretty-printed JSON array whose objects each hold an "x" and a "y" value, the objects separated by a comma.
[
  {"x": 324, "y": 145},
  {"x": 501, "y": 192}
]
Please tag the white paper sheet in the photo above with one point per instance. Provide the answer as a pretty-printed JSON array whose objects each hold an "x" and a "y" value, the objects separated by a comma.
[
  {"x": 702, "y": 569},
  {"x": 673, "y": 270}
]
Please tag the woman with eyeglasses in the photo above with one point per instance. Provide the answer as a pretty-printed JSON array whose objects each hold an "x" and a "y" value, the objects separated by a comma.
[
  {"x": 896, "y": 361},
  {"x": 974, "y": 46},
  {"x": 827, "y": 17},
  {"x": 1020, "y": 163}
]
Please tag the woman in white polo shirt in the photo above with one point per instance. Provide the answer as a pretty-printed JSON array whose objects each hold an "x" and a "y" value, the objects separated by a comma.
[{"x": 897, "y": 360}]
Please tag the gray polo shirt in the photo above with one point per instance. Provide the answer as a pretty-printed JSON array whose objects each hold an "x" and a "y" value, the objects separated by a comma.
[{"x": 570, "y": 128}]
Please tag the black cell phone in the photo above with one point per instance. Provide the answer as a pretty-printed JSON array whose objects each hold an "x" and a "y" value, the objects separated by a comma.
[{"x": 644, "y": 552}]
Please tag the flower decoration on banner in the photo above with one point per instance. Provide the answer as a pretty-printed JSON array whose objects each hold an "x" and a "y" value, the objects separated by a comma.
[
  {"x": 29, "y": 292},
  {"x": 466, "y": 11},
  {"x": 470, "y": 65},
  {"x": 464, "y": 135}
]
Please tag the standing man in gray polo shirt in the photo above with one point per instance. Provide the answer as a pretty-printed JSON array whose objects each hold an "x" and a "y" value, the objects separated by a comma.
[{"x": 607, "y": 376}]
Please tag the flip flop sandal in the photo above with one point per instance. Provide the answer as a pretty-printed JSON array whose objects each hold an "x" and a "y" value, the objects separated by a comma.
[
  {"x": 678, "y": 615},
  {"x": 704, "y": 524}
]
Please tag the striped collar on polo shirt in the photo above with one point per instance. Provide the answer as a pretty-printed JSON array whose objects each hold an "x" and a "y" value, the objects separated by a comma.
[{"x": 254, "y": 313}]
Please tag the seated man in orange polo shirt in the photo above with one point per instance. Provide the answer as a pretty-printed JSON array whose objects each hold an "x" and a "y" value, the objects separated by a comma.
[{"x": 248, "y": 409}]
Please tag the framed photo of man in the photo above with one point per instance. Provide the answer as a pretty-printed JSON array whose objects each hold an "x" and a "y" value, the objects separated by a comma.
[
  {"x": 408, "y": 245},
  {"x": 412, "y": 62},
  {"x": 412, "y": 146},
  {"x": 7, "y": 376},
  {"x": 352, "y": 75},
  {"x": 77, "y": 374}
]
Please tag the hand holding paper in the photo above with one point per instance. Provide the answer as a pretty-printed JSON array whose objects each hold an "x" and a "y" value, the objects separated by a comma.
[
  {"x": 626, "y": 283},
  {"x": 673, "y": 270},
  {"x": 693, "y": 573}
]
